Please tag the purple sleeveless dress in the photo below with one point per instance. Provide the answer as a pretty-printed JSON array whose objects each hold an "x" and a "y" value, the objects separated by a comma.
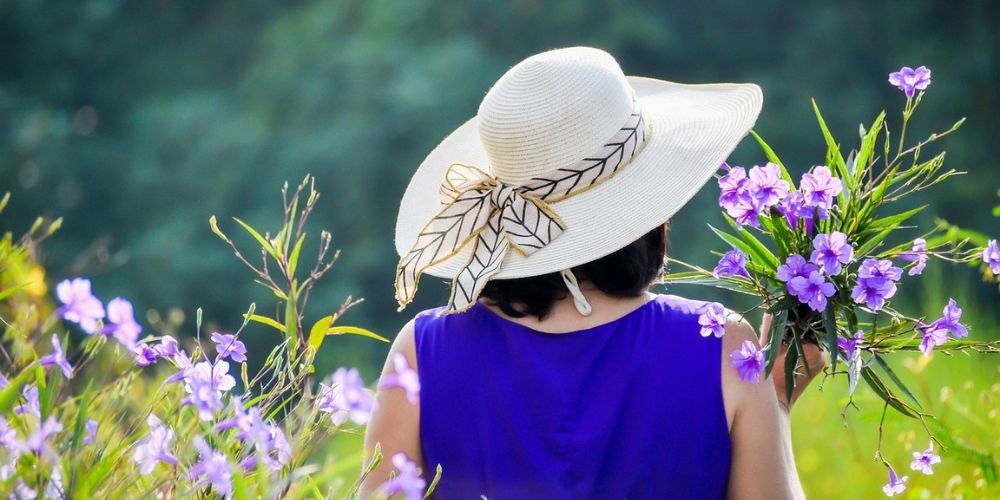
[{"x": 628, "y": 409}]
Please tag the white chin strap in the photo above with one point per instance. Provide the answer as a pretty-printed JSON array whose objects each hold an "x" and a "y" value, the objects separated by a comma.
[{"x": 582, "y": 306}]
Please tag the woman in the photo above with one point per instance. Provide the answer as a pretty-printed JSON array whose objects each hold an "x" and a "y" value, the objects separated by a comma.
[{"x": 553, "y": 372}]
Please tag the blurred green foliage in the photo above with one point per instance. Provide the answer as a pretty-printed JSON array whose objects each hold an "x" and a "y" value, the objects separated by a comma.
[{"x": 138, "y": 120}]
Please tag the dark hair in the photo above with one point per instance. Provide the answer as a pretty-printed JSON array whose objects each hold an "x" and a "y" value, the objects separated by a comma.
[{"x": 625, "y": 273}]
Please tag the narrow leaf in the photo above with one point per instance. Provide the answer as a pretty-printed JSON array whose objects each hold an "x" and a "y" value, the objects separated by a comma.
[
  {"x": 260, "y": 239},
  {"x": 264, "y": 320},
  {"x": 892, "y": 376},
  {"x": 353, "y": 330},
  {"x": 774, "y": 338},
  {"x": 830, "y": 324}
]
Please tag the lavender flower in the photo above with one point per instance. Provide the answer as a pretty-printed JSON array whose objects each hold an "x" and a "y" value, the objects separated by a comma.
[
  {"x": 184, "y": 367},
  {"x": 346, "y": 398},
  {"x": 932, "y": 336},
  {"x": 213, "y": 469},
  {"x": 917, "y": 254},
  {"x": 229, "y": 346},
  {"x": 144, "y": 355},
  {"x": 267, "y": 439},
  {"x": 924, "y": 460},
  {"x": 167, "y": 347},
  {"x": 812, "y": 290},
  {"x": 850, "y": 346},
  {"x": 830, "y": 251},
  {"x": 819, "y": 187},
  {"x": 795, "y": 265},
  {"x": 7, "y": 434},
  {"x": 991, "y": 257},
  {"x": 713, "y": 320},
  {"x": 31, "y": 406},
  {"x": 155, "y": 448},
  {"x": 732, "y": 186},
  {"x": 895, "y": 485},
  {"x": 79, "y": 304},
  {"x": 37, "y": 442},
  {"x": 950, "y": 320},
  {"x": 748, "y": 362},
  {"x": 91, "y": 435},
  {"x": 910, "y": 80},
  {"x": 766, "y": 185},
  {"x": 403, "y": 377},
  {"x": 733, "y": 263},
  {"x": 58, "y": 358},
  {"x": 795, "y": 208},
  {"x": 746, "y": 211},
  {"x": 205, "y": 383},
  {"x": 876, "y": 283},
  {"x": 121, "y": 322},
  {"x": 407, "y": 481}
]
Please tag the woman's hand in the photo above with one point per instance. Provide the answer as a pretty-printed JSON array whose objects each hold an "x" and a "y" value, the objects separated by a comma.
[{"x": 815, "y": 361}]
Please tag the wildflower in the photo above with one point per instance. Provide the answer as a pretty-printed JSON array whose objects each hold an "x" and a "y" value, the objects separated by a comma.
[
  {"x": 748, "y": 362},
  {"x": 932, "y": 336},
  {"x": 923, "y": 460},
  {"x": 407, "y": 480},
  {"x": 876, "y": 283},
  {"x": 991, "y": 257},
  {"x": 830, "y": 251},
  {"x": 895, "y": 485},
  {"x": 910, "y": 80},
  {"x": 213, "y": 469},
  {"x": 183, "y": 364},
  {"x": 849, "y": 346},
  {"x": 950, "y": 320},
  {"x": 268, "y": 439},
  {"x": 733, "y": 263},
  {"x": 403, "y": 377},
  {"x": 795, "y": 208},
  {"x": 155, "y": 448},
  {"x": 229, "y": 346},
  {"x": 167, "y": 347},
  {"x": 819, "y": 187},
  {"x": 144, "y": 355},
  {"x": 58, "y": 358},
  {"x": 31, "y": 405},
  {"x": 746, "y": 211},
  {"x": 205, "y": 383},
  {"x": 916, "y": 254},
  {"x": 795, "y": 265},
  {"x": 91, "y": 435},
  {"x": 732, "y": 186},
  {"x": 346, "y": 398},
  {"x": 812, "y": 290},
  {"x": 766, "y": 185},
  {"x": 121, "y": 322},
  {"x": 713, "y": 320},
  {"x": 36, "y": 441},
  {"x": 79, "y": 304}
]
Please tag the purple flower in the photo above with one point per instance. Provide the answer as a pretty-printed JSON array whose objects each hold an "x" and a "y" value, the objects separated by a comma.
[
  {"x": 346, "y": 398},
  {"x": 79, "y": 304},
  {"x": 91, "y": 435},
  {"x": 829, "y": 252},
  {"x": 746, "y": 211},
  {"x": 991, "y": 257},
  {"x": 407, "y": 481},
  {"x": 732, "y": 186},
  {"x": 212, "y": 470},
  {"x": 713, "y": 320},
  {"x": 923, "y": 460},
  {"x": 876, "y": 283},
  {"x": 950, "y": 320},
  {"x": 184, "y": 367},
  {"x": 121, "y": 322},
  {"x": 144, "y": 355},
  {"x": 267, "y": 439},
  {"x": 403, "y": 377},
  {"x": 748, "y": 362},
  {"x": 812, "y": 290},
  {"x": 766, "y": 185},
  {"x": 31, "y": 405},
  {"x": 895, "y": 485},
  {"x": 7, "y": 434},
  {"x": 931, "y": 336},
  {"x": 229, "y": 346},
  {"x": 155, "y": 448},
  {"x": 819, "y": 187},
  {"x": 794, "y": 208},
  {"x": 205, "y": 383},
  {"x": 795, "y": 265},
  {"x": 910, "y": 80},
  {"x": 37, "y": 441},
  {"x": 850, "y": 346},
  {"x": 58, "y": 358},
  {"x": 917, "y": 254},
  {"x": 733, "y": 263},
  {"x": 167, "y": 347}
]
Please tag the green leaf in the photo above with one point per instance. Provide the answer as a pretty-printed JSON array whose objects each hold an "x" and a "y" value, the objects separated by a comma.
[
  {"x": 318, "y": 331},
  {"x": 434, "y": 482},
  {"x": 293, "y": 261},
  {"x": 791, "y": 359},
  {"x": 353, "y": 330},
  {"x": 892, "y": 376},
  {"x": 239, "y": 485},
  {"x": 773, "y": 158},
  {"x": 774, "y": 338},
  {"x": 833, "y": 154},
  {"x": 12, "y": 290},
  {"x": 864, "y": 156},
  {"x": 749, "y": 244},
  {"x": 892, "y": 221},
  {"x": 697, "y": 278},
  {"x": 873, "y": 242},
  {"x": 260, "y": 239},
  {"x": 10, "y": 393},
  {"x": 873, "y": 381},
  {"x": 830, "y": 324},
  {"x": 996, "y": 211},
  {"x": 264, "y": 320}
]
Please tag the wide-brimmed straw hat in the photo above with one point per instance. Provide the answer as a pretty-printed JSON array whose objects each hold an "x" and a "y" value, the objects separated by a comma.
[{"x": 567, "y": 160}]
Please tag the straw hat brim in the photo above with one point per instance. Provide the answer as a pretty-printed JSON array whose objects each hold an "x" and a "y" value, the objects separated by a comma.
[{"x": 693, "y": 129}]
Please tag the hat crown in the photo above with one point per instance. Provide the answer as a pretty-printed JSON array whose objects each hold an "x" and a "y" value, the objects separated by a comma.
[{"x": 552, "y": 110}]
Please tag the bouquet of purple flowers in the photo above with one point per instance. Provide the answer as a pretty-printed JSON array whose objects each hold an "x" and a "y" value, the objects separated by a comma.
[{"x": 819, "y": 258}]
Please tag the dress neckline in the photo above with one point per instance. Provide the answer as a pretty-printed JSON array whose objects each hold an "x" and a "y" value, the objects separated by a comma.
[{"x": 572, "y": 333}]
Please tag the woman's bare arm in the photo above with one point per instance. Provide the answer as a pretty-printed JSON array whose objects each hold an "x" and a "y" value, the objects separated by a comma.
[
  {"x": 395, "y": 422},
  {"x": 763, "y": 465}
]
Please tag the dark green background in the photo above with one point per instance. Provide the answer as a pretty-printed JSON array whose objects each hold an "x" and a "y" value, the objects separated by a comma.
[{"x": 137, "y": 120}]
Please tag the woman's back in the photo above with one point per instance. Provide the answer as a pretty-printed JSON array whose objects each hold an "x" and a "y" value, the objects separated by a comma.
[{"x": 632, "y": 408}]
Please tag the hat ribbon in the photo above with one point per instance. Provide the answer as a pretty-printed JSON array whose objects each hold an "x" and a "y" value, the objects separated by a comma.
[{"x": 480, "y": 210}]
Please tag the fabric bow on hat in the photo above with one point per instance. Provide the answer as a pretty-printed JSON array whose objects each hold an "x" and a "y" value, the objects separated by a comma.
[{"x": 494, "y": 216}]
